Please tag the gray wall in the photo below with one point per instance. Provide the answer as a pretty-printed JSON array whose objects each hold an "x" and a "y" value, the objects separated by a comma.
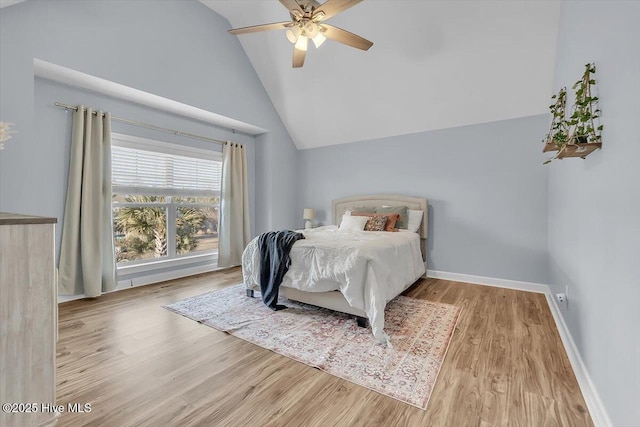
[
  {"x": 178, "y": 49},
  {"x": 492, "y": 211},
  {"x": 594, "y": 205},
  {"x": 486, "y": 185}
]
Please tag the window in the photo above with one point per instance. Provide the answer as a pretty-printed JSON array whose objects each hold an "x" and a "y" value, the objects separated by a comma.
[{"x": 166, "y": 200}]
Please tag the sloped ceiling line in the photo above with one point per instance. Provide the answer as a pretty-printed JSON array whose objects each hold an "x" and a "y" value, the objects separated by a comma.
[{"x": 433, "y": 65}]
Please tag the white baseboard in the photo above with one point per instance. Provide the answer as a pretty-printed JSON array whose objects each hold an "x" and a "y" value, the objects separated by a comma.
[
  {"x": 149, "y": 279},
  {"x": 490, "y": 281},
  {"x": 592, "y": 398}
]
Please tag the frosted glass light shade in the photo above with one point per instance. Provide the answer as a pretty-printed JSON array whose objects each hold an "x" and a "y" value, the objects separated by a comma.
[
  {"x": 291, "y": 37},
  {"x": 293, "y": 33},
  {"x": 301, "y": 44},
  {"x": 319, "y": 39},
  {"x": 311, "y": 30}
]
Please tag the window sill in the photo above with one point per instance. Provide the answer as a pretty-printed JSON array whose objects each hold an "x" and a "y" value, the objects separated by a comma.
[{"x": 166, "y": 263}]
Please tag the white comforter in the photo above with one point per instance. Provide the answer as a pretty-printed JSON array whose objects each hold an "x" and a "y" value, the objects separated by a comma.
[{"x": 370, "y": 268}]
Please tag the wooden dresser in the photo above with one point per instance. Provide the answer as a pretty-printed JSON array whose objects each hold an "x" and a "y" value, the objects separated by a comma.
[{"x": 28, "y": 320}]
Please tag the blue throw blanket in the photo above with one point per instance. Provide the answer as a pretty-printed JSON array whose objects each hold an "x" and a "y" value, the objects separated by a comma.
[{"x": 274, "y": 263}]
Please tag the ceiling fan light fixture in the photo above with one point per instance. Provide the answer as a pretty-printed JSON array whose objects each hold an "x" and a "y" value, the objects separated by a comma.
[
  {"x": 319, "y": 39},
  {"x": 311, "y": 30},
  {"x": 308, "y": 22},
  {"x": 293, "y": 34},
  {"x": 319, "y": 16},
  {"x": 301, "y": 43},
  {"x": 291, "y": 37}
]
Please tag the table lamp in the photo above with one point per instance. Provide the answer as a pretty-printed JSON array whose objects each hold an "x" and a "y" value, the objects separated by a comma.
[{"x": 308, "y": 214}]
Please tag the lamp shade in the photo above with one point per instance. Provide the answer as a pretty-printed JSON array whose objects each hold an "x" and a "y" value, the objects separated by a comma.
[
  {"x": 293, "y": 33},
  {"x": 301, "y": 43},
  {"x": 311, "y": 30},
  {"x": 319, "y": 39},
  {"x": 308, "y": 214}
]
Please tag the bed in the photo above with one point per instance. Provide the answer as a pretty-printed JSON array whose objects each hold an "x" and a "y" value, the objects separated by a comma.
[{"x": 354, "y": 272}]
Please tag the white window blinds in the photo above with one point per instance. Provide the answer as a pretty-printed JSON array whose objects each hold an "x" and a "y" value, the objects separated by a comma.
[{"x": 141, "y": 171}]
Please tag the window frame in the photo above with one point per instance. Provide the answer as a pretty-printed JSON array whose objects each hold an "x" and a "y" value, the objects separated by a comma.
[{"x": 172, "y": 258}]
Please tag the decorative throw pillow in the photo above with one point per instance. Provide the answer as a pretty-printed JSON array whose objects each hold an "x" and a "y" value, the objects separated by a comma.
[
  {"x": 356, "y": 223},
  {"x": 391, "y": 219},
  {"x": 375, "y": 223},
  {"x": 415, "y": 219},
  {"x": 401, "y": 210}
]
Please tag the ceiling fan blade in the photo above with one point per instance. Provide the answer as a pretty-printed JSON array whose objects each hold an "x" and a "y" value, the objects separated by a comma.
[
  {"x": 298, "y": 57},
  {"x": 292, "y": 5},
  {"x": 333, "y": 7},
  {"x": 264, "y": 27},
  {"x": 345, "y": 37}
]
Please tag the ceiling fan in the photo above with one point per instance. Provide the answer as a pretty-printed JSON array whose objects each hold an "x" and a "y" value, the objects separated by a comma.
[{"x": 307, "y": 22}]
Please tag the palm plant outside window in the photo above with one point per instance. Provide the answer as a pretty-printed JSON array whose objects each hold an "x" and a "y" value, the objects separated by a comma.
[{"x": 166, "y": 200}]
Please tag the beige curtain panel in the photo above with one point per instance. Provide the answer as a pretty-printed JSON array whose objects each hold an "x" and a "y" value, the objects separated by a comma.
[
  {"x": 87, "y": 261},
  {"x": 234, "y": 231}
]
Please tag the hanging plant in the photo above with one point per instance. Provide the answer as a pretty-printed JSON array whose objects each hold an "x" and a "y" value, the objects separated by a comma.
[
  {"x": 581, "y": 134},
  {"x": 559, "y": 131},
  {"x": 586, "y": 132}
]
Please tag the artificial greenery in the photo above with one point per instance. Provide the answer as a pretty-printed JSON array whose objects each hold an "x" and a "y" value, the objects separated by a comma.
[
  {"x": 580, "y": 127},
  {"x": 559, "y": 132},
  {"x": 585, "y": 110}
]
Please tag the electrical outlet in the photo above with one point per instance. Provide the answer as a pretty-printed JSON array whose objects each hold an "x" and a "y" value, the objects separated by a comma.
[{"x": 561, "y": 297}]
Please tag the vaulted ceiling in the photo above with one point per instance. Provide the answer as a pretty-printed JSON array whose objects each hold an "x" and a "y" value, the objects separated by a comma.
[{"x": 433, "y": 65}]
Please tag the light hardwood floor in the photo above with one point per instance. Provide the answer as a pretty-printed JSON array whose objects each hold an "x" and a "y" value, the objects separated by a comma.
[{"x": 139, "y": 364}]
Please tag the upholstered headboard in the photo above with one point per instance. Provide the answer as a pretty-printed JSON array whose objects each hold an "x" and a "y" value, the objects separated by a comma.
[{"x": 339, "y": 206}]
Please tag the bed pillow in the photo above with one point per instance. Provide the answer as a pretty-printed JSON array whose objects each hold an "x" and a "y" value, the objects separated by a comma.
[
  {"x": 346, "y": 213},
  {"x": 356, "y": 223},
  {"x": 376, "y": 223},
  {"x": 391, "y": 219},
  {"x": 364, "y": 209},
  {"x": 415, "y": 219},
  {"x": 401, "y": 210}
]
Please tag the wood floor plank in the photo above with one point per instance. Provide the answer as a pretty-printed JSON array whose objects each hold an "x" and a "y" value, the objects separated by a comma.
[{"x": 139, "y": 364}]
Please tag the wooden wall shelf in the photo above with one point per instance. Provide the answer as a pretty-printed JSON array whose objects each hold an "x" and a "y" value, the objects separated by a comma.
[
  {"x": 581, "y": 150},
  {"x": 550, "y": 146}
]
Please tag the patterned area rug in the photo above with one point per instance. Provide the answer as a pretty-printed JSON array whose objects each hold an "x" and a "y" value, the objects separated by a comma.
[{"x": 420, "y": 333}]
